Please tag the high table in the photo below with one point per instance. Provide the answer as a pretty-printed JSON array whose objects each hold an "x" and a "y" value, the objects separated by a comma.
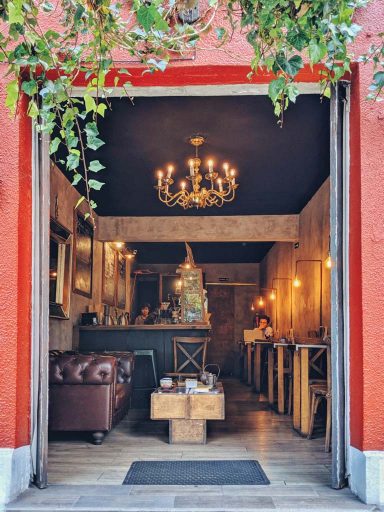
[
  {"x": 302, "y": 363},
  {"x": 281, "y": 348}
]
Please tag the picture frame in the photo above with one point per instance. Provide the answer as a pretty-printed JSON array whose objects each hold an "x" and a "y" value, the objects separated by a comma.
[
  {"x": 121, "y": 275},
  {"x": 109, "y": 275},
  {"x": 60, "y": 270},
  {"x": 82, "y": 256}
]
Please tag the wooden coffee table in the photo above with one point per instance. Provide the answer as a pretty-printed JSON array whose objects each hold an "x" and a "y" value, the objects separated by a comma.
[{"x": 188, "y": 412}]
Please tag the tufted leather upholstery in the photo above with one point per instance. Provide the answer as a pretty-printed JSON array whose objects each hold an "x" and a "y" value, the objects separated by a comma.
[
  {"x": 89, "y": 392},
  {"x": 125, "y": 365},
  {"x": 82, "y": 369}
]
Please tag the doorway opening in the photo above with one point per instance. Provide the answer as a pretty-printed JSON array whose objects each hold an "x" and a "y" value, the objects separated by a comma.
[{"x": 264, "y": 254}]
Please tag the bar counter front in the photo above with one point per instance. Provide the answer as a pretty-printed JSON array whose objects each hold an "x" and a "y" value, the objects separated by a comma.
[{"x": 132, "y": 338}]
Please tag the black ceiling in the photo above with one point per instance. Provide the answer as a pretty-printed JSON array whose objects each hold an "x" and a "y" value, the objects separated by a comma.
[
  {"x": 208, "y": 252},
  {"x": 279, "y": 170}
]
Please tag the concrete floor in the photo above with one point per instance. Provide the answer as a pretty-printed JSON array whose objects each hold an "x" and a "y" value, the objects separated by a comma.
[{"x": 84, "y": 477}]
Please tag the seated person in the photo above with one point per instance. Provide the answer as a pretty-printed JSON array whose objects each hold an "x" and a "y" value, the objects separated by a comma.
[
  {"x": 144, "y": 315},
  {"x": 265, "y": 327}
]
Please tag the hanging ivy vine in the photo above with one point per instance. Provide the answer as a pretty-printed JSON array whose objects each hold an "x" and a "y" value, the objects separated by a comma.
[{"x": 44, "y": 64}]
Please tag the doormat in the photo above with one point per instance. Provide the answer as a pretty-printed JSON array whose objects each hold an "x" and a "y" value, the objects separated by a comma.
[{"x": 196, "y": 472}]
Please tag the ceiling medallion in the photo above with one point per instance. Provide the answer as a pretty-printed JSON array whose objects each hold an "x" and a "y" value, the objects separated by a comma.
[{"x": 198, "y": 197}]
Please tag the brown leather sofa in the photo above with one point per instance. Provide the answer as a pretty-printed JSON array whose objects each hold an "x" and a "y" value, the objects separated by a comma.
[{"x": 89, "y": 392}]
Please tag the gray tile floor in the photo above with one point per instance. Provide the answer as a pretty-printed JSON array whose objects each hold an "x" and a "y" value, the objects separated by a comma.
[{"x": 86, "y": 478}]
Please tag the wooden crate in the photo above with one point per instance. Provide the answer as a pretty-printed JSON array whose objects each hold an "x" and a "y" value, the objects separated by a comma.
[
  {"x": 187, "y": 431},
  {"x": 192, "y": 407}
]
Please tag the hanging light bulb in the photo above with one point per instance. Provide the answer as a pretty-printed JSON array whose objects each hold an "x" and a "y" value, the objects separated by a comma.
[
  {"x": 296, "y": 282},
  {"x": 252, "y": 307},
  {"x": 328, "y": 262},
  {"x": 261, "y": 301},
  {"x": 273, "y": 295}
]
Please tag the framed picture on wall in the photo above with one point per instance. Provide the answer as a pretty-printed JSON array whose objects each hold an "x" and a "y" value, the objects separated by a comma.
[
  {"x": 108, "y": 290},
  {"x": 82, "y": 256},
  {"x": 121, "y": 280}
]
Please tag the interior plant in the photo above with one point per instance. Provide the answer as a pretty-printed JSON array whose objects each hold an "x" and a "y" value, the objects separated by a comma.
[{"x": 88, "y": 35}]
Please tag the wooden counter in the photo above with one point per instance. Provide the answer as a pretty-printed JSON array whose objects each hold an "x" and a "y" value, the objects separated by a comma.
[{"x": 135, "y": 337}]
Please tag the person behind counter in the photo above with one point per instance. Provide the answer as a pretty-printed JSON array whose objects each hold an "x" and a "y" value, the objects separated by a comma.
[
  {"x": 264, "y": 326},
  {"x": 144, "y": 316}
]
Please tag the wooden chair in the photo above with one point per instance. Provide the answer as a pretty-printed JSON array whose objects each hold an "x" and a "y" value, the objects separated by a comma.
[
  {"x": 318, "y": 392},
  {"x": 180, "y": 346}
]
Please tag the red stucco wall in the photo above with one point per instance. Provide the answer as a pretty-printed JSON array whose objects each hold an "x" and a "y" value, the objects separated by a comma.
[
  {"x": 15, "y": 281},
  {"x": 367, "y": 251}
]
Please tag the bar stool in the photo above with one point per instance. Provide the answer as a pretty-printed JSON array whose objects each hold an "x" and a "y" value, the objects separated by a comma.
[
  {"x": 152, "y": 354},
  {"x": 318, "y": 392}
]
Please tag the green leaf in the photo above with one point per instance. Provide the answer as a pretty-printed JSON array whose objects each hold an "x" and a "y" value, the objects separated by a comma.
[
  {"x": 276, "y": 87},
  {"x": 327, "y": 92},
  {"x": 316, "y": 51},
  {"x": 96, "y": 185},
  {"x": 293, "y": 65},
  {"x": 33, "y": 109},
  {"x": 95, "y": 166},
  {"x": 297, "y": 39},
  {"x": 76, "y": 178},
  {"x": 82, "y": 198},
  {"x": 72, "y": 161},
  {"x": 145, "y": 17},
  {"x": 91, "y": 129},
  {"x": 54, "y": 145},
  {"x": 12, "y": 89},
  {"x": 29, "y": 87},
  {"x": 90, "y": 104},
  {"x": 101, "y": 108},
  {"x": 220, "y": 32},
  {"x": 14, "y": 13},
  {"x": 94, "y": 142}
]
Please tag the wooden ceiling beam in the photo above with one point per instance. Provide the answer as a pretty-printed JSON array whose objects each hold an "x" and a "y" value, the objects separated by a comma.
[{"x": 239, "y": 228}]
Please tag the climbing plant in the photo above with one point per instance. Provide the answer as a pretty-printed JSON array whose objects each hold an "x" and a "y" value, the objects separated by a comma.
[{"x": 91, "y": 37}]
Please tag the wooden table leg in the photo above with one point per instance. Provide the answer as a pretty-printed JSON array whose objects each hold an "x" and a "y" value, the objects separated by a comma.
[
  {"x": 304, "y": 366},
  {"x": 296, "y": 390},
  {"x": 257, "y": 367},
  {"x": 280, "y": 380},
  {"x": 270, "y": 376},
  {"x": 249, "y": 364}
]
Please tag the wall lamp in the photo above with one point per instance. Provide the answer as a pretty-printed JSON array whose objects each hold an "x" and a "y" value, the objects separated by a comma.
[
  {"x": 290, "y": 288},
  {"x": 297, "y": 282}
]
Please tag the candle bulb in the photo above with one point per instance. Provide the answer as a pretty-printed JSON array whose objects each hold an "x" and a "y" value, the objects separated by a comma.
[
  {"x": 226, "y": 169},
  {"x": 233, "y": 172},
  {"x": 191, "y": 168},
  {"x": 210, "y": 166},
  {"x": 220, "y": 183},
  {"x": 183, "y": 185},
  {"x": 169, "y": 173},
  {"x": 159, "y": 178}
]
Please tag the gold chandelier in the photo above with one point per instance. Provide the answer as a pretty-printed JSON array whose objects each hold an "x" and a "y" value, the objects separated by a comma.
[{"x": 198, "y": 197}]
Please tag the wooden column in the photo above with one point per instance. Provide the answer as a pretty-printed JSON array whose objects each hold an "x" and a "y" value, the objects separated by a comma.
[
  {"x": 296, "y": 390},
  {"x": 257, "y": 367},
  {"x": 280, "y": 380},
  {"x": 304, "y": 366},
  {"x": 270, "y": 376}
]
